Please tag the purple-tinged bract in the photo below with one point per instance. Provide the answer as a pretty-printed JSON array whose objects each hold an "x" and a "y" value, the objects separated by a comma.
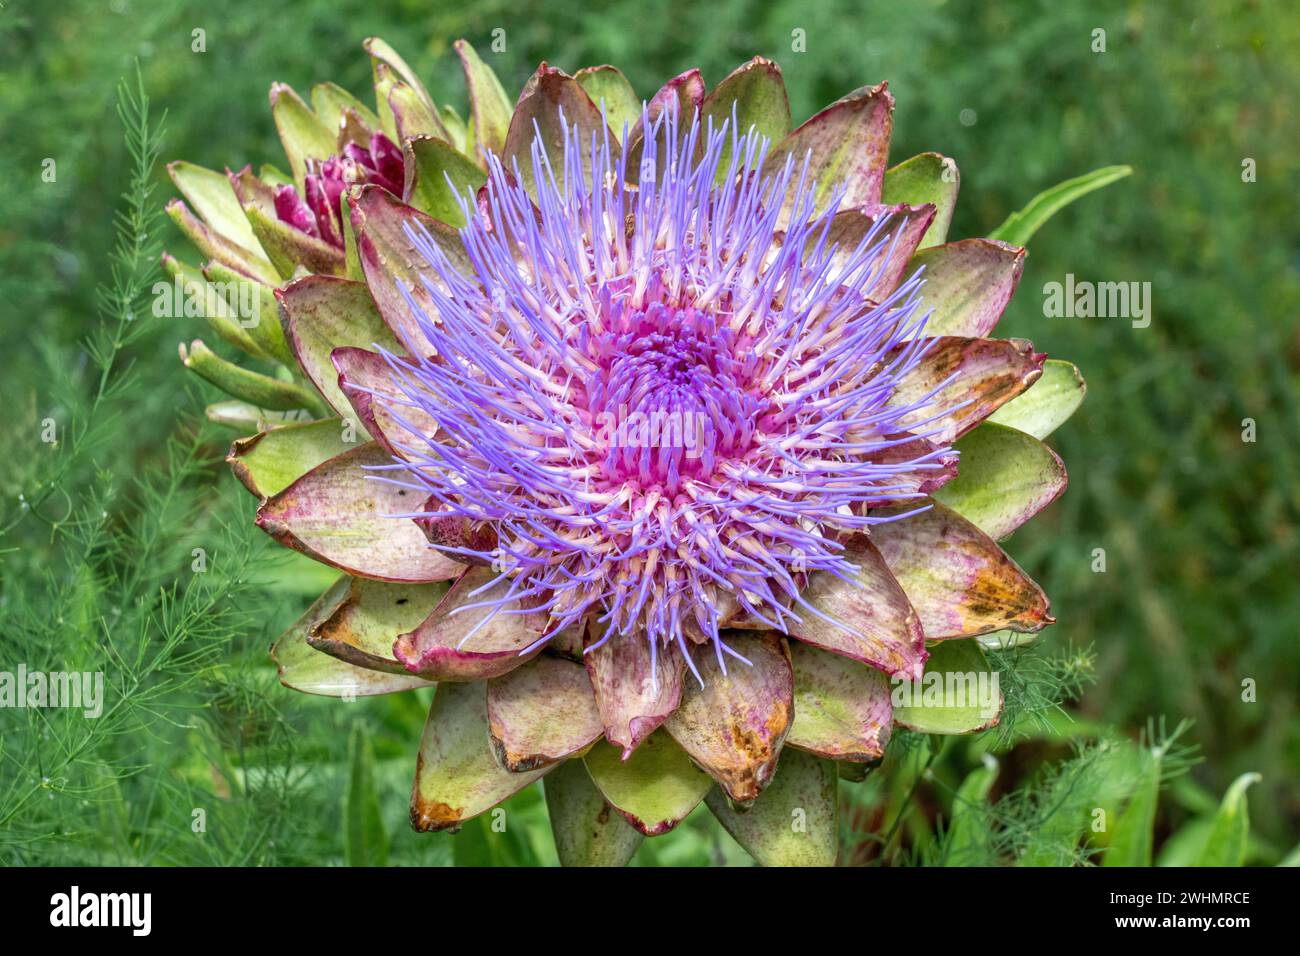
[{"x": 317, "y": 214}]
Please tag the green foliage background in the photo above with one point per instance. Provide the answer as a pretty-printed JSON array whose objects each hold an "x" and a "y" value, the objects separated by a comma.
[{"x": 1199, "y": 528}]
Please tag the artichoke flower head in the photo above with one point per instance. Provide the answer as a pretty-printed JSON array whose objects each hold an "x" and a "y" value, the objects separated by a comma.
[{"x": 665, "y": 438}]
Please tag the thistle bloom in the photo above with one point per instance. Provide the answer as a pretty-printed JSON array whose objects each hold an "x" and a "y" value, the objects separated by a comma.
[
  {"x": 692, "y": 411},
  {"x": 671, "y": 401}
]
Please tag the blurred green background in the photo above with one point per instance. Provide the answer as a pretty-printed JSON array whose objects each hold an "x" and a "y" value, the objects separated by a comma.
[{"x": 1199, "y": 528}]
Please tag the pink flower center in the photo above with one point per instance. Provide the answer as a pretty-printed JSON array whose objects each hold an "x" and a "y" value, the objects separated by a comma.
[{"x": 671, "y": 398}]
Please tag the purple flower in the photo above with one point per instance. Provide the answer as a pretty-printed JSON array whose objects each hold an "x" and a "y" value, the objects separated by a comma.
[{"x": 670, "y": 396}]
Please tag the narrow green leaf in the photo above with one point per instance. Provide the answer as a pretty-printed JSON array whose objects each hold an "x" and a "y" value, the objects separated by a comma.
[
  {"x": 492, "y": 840},
  {"x": 365, "y": 842},
  {"x": 472, "y": 844},
  {"x": 1020, "y": 226},
  {"x": 967, "y": 843},
  {"x": 1226, "y": 844},
  {"x": 1133, "y": 838},
  {"x": 1184, "y": 846}
]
